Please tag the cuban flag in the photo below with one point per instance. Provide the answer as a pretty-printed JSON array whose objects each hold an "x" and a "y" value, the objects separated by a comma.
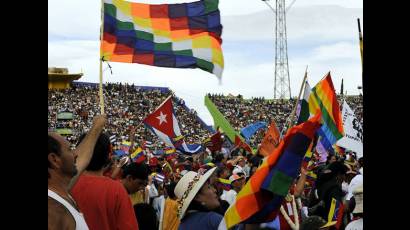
[{"x": 164, "y": 124}]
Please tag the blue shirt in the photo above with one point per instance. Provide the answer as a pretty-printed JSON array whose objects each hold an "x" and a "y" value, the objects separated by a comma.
[{"x": 201, "y": 221}]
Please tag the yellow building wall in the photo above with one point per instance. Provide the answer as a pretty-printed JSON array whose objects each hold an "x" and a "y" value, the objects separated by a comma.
[{"x": 65, "y": 84}]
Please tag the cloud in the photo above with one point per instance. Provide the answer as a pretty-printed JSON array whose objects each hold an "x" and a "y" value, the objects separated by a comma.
[{"x": 323, "y": 37}]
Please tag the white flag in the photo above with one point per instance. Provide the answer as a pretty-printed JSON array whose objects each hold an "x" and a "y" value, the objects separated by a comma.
[{"x": 353, "y": 138}]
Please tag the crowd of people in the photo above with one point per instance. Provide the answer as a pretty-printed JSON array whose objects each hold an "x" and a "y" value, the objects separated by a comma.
[
  {"x": 242, "y": 112},
  {"x": 89, "y": 187},
  {"x": 126, "y": 107}
]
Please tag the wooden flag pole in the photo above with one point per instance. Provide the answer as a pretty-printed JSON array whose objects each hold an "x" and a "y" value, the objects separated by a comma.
[
  {"x": 101, "y": 59},
  {"x": 291, "y": 121},
  {"x": 361, "y": 41}
]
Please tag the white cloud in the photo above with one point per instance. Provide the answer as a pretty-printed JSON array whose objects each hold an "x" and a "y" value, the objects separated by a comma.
[{"x": 323, "y": 37}]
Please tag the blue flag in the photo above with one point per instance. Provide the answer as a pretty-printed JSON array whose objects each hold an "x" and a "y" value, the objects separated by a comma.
[{"x": 251, "y": 129}]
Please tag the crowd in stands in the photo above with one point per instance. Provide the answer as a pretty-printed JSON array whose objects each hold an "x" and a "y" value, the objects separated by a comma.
[
  {"x": 126, "y": 106},
  {"x": 177, "y": 191},
  {"x": 242, "y": 112},
  {"x": 191, "y": 191}
]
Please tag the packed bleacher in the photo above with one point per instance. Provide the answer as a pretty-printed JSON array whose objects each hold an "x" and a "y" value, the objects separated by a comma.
[
  {"x": 192, "y": 191},
  {"x": 242, "y": 112},
  {"x": 126, "y": 106}
]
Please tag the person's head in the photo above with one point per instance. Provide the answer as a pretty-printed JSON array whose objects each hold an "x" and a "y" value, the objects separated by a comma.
[
  {"x": 101, "y": 154},
  {"x": 331, "y": 158},
  {"x": 170, "y": 190},
  {"x": 61, "y": 159},
  {"x": 223, "y": 172},
  {"x": 358, "y": 198},
  {"x": 338, "y": 170},
  {"x": 237, "y": 181},
  {"x": 135, "y": 177},
  {"x": 218, "y": 158},
  {"x": 195, "y": 192},
  {"x": 241, "y": 162}
]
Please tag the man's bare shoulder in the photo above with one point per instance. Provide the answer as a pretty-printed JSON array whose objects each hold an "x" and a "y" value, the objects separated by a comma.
[{"x": 59, "y": 217}]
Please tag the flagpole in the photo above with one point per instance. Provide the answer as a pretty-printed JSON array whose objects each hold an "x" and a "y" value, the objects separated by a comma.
[
  {"x": 361, "y": 41},
  {"x": 101, "y": 59},
  {"x": 297, "y": 101}
]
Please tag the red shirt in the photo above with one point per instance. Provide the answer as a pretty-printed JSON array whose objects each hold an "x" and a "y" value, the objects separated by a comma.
[{"x": 104, "y": 203}]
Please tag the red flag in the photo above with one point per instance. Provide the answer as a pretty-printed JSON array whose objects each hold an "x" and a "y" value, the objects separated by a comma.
[
  {"x": 214, "y": 143},
  {"x": 162, "y": 118},
  {"x": 270, "y": 141},
  {"x": 241, "y": 144}
]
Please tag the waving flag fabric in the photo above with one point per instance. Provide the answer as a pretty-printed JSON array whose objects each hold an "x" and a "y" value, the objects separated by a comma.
[
  {"x": 186, "y": 35},
  {"x": 138, "y": 155},
  {"x": 323, "y": 98},
  {"x": 251, "y": 129},
  {"x": 263, "y": 194},
  {"x": 164, "y": 124},
  {"x": 270, "y": 140}
]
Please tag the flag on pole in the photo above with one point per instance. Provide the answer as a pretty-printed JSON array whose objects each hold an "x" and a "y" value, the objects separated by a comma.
[
  {"x": 335, "y": 215},
  {"x": 270, "y": 141},
  {"x": 304, "y": 114},
  {"x": 251, "y": 129},
  {"x": 164, "y": 124},
  {"x": 138, "y": 155},
  {"x": 353, "y": 138},
  {"x": 186, "y": 35},
  {"x": 323, "y": 98},
  {"x": 261, "y": 197},
  {"x": 214, "y": 143},
  {"x": 239, "y": 143},
  {"x": 224, "y": 184}
]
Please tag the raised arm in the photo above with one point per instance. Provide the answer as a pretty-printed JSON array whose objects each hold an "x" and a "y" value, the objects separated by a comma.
[
  {"x": 85, "y": 149},
  {"x": 301, "y": 183}
]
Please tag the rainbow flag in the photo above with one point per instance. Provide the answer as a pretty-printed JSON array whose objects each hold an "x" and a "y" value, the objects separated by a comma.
[
  {"x": 186, "y": 35},
  {"x": 323, "y": 98},
  {"x": 138, "y": 155},
  {"x": 261, "y": 197},
  {"x": 224, "y": 184}
]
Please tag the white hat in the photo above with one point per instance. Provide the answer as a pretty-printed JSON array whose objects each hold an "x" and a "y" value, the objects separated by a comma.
[
  {"x": 358, "y": 198},
  {"x": 187, "y": 188}
]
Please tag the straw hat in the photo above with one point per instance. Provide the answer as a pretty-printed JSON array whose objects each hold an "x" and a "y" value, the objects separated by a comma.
[
  {"x": 358, "y": 198},
  {"x": 235, "y": 177},
  {"x": 187, "y": 188}
]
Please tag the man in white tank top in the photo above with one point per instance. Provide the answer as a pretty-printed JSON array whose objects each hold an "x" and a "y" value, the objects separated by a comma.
[{"x": 64, "y": 167}]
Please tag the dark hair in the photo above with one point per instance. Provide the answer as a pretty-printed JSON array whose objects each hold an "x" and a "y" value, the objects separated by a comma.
[
  {"x": 218, "y": 158},
  {"x": 337, "y": 168},
  {"x": 312, "y": 223},
  {"x": 220, "y": 170},
  {"x": 329, "y": 157},
  {"x": 136, "y": 170},
  {"x": 146, "y": 216},
  {"x": 53, "y": 147},
  {"x": 170, "y": 189},
  {"x": 101, "y": 152}
]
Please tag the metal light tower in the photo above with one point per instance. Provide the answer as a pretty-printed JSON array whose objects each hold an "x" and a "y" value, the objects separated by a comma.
[{"x": 282, "y": 78}]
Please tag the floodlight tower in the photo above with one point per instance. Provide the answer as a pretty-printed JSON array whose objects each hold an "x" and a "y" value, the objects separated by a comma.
[{"x": 282, "y": 78}]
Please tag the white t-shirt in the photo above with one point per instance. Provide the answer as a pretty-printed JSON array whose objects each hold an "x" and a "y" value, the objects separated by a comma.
[
  {"x": 356, "y": 181},
  {"x": 355, "y": 225},
  {"x": 229, "y": 196}
]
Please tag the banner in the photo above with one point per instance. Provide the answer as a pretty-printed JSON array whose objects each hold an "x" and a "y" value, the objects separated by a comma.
[{"x": 353, "y": 138}]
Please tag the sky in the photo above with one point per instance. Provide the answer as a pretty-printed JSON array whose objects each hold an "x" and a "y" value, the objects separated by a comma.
[{"x": 322, "y": 35}]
